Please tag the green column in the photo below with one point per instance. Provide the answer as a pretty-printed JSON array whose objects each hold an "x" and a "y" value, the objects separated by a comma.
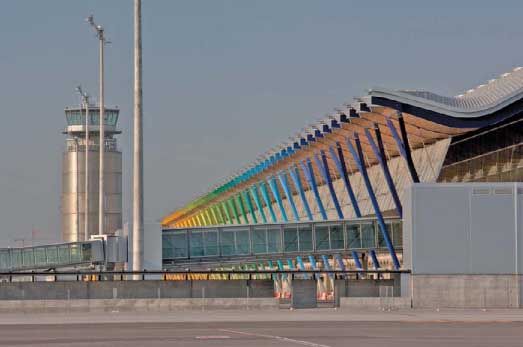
[
  {"x": 242, "y": 208},
  {"x": 234, "y": 210},
  {"x": 227, "y": 214}
]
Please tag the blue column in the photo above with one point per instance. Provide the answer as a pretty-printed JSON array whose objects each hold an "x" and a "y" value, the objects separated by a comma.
[
  {"x": 339, "y": 260},
  {"x": 312, "y": 260},
  {"x": 403, "y": 147},
  {"x": 282, "y": 176},
  {"x": 249, "y": 206},
  {"x": 281, "y": 268},
  {"x": 254, "y": 193},
  {"x": 324, "y": 169},
  {"x": 406, "y": 144},
  {"x": 356, "y": 260},
  {"x": 327, "y": 265},
  {"x": 342, "y": 169},
  {"x": 382, "y": 159},
  {"x": 374, "y": 259},
  {"x": 309, "y": 175},
  {"x": 268, "y": 202},
  {"x": 295, "y": 175},
  {"x": 302, "y": 266},
  {"x": 360, "y": 162},
  {"x": 277, "y": 196}
]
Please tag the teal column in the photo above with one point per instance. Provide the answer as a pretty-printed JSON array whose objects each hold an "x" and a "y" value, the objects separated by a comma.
[
  {"x": 249, "y": 206},
  {"x": 254, "y": 193},
  {"x": 282, "y": 176},
  {"x": 277, "y": 196},
  {"x": 265, "y": 195},
  {"x": 234, "y": 210}
]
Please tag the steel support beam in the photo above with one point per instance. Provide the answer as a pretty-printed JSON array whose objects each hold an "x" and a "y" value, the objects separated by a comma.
[
  {"x": 302, "y": 266},
  {"x": 360, "y": 162},
  {"x": 324, "y": 170},
  {"x": 242, "y": 208},
  {"x": 249, "y": 206},
  {"x": 282, "y": 176},
  {"x": 339, "y": 161},
  {"x": 357, "y": 261},
  {"x": 234, "y": 210},
  {"x": 403, "y": 148},
  {"x": 295, "y": 176},
  {"x": 379, "y": 153},
  {"x": 374, "y": 259},
  {"x": 268, "y": 203},
  {"x": 309, "y": 175},
  {"x": 277, "y": 196},
  {"x": 254, "y": 193}
]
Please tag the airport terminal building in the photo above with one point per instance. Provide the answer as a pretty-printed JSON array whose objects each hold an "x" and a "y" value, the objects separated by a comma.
[{"x": 371, "y": 186}]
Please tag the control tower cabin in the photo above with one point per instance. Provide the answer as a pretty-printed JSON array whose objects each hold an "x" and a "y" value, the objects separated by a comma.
[{"x": 73, "y": 174}]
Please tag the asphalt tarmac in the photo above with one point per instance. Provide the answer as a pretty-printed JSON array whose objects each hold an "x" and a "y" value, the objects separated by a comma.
[{"x": 284, "y": 330}]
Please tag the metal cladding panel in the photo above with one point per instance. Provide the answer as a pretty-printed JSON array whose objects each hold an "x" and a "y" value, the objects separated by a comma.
[
  {"x": 73, "y": 190},
  {"x": 472, "y": 228}
]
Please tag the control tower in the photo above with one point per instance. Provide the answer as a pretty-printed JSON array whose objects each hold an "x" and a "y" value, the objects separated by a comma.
[{"x": 73, "y": 173}]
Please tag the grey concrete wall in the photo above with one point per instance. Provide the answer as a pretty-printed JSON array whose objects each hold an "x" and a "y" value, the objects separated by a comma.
[
  {"x": 136, "y": 305},
  {"x": 366, "y": 288},
  {"x": 304, "y": 293},
  {"x": 466, "y": 291},
  {"x": 136, "y": 290}
]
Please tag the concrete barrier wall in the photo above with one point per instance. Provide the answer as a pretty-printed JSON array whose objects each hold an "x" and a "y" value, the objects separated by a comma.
[
  {"x": 467, "y": 291},
  {"x": 136, "y": 290},
  {"x": 136, "y": 305}
]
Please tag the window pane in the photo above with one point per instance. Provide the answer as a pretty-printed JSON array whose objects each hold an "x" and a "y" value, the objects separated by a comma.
[
  {"x": 290, "y": 239},
  {"x": 367, "y": 236},
  {"x": 227, "y": 242},
  {"x": 40, "y": 256},
  {"x": 4, "y": 260},
  {"x": 75, "y": 254},
  {"x": 322, "y": 237},
  {"x": 179, "y": 244},
  {"x": 259, "y": 241},
  {"x": 167, "y": 246},
  {"x": 52, "y": 255},
  {"x": 336, "y": 233},
  {"x": 274, "y": 240},
  {"x": 211, "y": 242},
  {"x": 397, "y": 234},
  {"x": 16, "y": 258},
  {"x": 305, "y": 233},
  {"x": 242, "y": 242},
  {"x": 86, "y": 252},
  {"x": 196, "y": 244},
  {"x": 63, "y": 254},
  {"x": 381, "y": 239},
  {"x": 353, "y": 236},
  {"x": 28, "y": 257}
]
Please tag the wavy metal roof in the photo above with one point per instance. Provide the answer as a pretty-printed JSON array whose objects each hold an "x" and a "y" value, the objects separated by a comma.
[{"x": 480, "y": 101}]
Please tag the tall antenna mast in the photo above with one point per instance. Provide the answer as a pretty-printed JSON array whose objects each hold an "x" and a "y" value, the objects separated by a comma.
[
  {"x": 85, "y": 103},
  {"x": 101, "y": 200}
]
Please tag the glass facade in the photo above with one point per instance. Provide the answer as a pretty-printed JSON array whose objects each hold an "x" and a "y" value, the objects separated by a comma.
[
  {"x": 278, "y": 238},
  {"x": 77, "y": 117},
  {"x": 47, "y": 256}
]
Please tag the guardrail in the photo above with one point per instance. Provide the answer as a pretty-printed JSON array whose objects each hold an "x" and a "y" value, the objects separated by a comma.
[{"x": 188, "y": 275}]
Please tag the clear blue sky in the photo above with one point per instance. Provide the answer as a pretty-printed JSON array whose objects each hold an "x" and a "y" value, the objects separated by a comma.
[{"x": 223, "y": 81}]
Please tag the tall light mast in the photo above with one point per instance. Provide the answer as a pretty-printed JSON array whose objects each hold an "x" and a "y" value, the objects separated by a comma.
[
  {"x": 101, "y": 201},
  {"x": 85, "y": 103},
  {"x": 138, "y": 227}
]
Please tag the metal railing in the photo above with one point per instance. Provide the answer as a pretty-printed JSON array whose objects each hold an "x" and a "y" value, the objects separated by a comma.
[{"x": 188, "y": 275}]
